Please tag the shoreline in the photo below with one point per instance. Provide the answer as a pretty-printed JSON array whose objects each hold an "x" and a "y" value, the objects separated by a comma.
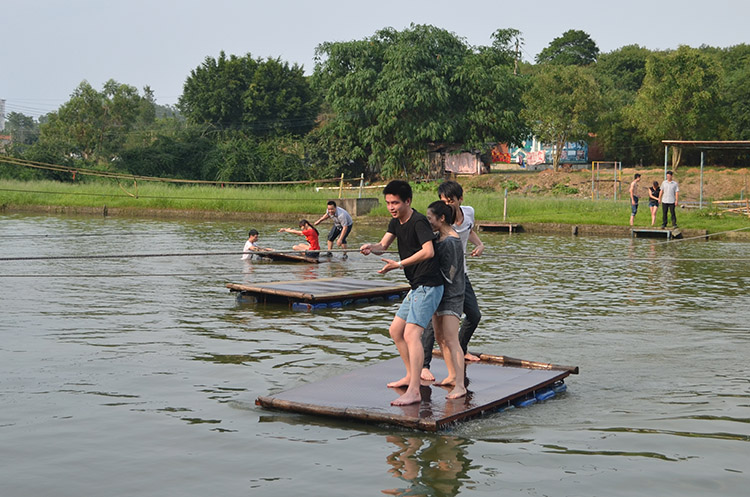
[{"x": 535, "y": 228}]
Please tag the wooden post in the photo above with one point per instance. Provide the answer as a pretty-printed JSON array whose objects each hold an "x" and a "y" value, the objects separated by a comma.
[
  {"x": 505, "y": 204},
  {"x": 361, "y": 183},
  {"x": 341, "y": 186}
]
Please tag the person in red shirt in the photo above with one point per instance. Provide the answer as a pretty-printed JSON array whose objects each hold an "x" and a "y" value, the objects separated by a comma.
[{"x": 310, "y": 234}]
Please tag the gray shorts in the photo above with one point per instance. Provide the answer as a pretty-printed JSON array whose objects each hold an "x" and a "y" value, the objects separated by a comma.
[{"x": 451, "y": 306}]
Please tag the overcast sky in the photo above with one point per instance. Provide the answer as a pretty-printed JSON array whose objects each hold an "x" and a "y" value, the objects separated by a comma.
[{"x": 50, "y": 46}]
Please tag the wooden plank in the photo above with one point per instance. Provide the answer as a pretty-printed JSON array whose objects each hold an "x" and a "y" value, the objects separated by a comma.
[
  {"x": 362, "y": 394},
  {"x": 322, "y": 289},
  {"x": 288, "y": 257},
  {"x": 509, "y": 227}
]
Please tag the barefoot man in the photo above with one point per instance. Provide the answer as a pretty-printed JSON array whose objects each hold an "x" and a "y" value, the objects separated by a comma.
[{"x": 416, "y": 251}]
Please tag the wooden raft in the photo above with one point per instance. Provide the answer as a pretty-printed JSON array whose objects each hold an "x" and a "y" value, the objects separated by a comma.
[
  {"x": 494, "y": 383},
  {"x": 655, "y": 233},
  {"x": 509, "y": 227},
  {"x": 321, "y": 293},
  {"x": 290, "y": 256}
]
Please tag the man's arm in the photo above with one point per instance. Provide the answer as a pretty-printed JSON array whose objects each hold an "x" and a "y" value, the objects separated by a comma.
[
  {"x": 478, "y": 245},
  {"x": 344, "y": 230},
  {"x": 676, "y": 196},
  {"x": 426, "y": 252},
  {"x": 380, "y": 247},
  {"x": 322, "y": 218}
]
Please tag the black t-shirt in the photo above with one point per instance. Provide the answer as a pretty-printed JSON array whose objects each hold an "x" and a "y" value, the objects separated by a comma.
[{"x": 410, "y": 237}]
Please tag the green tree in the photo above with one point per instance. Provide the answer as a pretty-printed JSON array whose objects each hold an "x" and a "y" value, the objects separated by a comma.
[
  {"x": 574, "y": 47},
  {"x": 680, "y": 98},
  {"x": 92, "y": 125},
  {"x": 259, "y": 97},
  {"x": 396, "y": 95},
  {"x": 23, "y": 129},
  {"x": 562, "y": 104}
]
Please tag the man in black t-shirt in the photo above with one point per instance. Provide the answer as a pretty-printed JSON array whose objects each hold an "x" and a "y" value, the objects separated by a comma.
[{"x": 416, "y": 251}]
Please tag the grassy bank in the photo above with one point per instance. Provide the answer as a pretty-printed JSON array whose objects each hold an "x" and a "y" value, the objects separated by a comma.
[{"x": 305, "y": 200}]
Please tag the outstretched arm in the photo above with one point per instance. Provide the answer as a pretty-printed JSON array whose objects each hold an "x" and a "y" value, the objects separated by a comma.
[
  {"x": 478, "y": 245},
  {"x": 322, "y": 218},
  {"x": 426, "y": 252},
  {"x": 290, "y": 230},
  {"x": 380, "y": 247}
]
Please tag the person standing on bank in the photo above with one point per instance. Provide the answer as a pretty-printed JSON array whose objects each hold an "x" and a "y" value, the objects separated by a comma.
[
  {"x": 342, "y": 225},
  {"x": 653, "y": 200},
  {"x": 452, "y": 194},
  {"x": 634, "y": 197},
  {"x": 669, "y": 198},
  {"x": 416, "y": 250}
]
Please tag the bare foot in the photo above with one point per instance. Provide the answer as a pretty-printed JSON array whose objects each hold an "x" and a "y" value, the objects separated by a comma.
[
  {"x": 427, "y": 375},
  {"x": 471, "y": 357},
  {"x": 403, "y": 382},
  {"x": 446, "y": 382},
  {"x": 407, "y": 399},
  {"x": 456, "y": 393}
]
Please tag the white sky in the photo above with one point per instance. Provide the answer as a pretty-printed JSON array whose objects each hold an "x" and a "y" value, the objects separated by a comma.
[{"x": 48, "y": 47}]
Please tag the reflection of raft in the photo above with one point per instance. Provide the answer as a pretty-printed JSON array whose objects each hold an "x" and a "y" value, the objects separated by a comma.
[
  {"x": 320, "y": 293},
  {"x": 494, "y": 383}
]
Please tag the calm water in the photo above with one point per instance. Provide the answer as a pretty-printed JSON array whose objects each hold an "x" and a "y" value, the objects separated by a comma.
[{"x": 137, "y": 376}]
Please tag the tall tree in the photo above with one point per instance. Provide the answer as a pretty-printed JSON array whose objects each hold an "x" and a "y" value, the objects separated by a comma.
[
  {"x": 397, "y": 95},
  {"x": 259, "y": 97},
  {"x": 561, "y": 105},
  {"x": 679, "y": 99},
  {"x": 574, "y": 47}
]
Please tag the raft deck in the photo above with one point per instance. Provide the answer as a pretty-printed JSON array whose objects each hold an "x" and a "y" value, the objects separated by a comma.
[
  {"x": 291, "y": 256},
  {"x": 655, "y": 233},
  {"x": 320, "y": 293},
  {"x": 494, "y": 383},
  {"x": 509, "y": 227}
]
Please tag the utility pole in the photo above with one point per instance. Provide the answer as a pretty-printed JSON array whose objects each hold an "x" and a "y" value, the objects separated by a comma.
[{"x": 515, "y": 62}]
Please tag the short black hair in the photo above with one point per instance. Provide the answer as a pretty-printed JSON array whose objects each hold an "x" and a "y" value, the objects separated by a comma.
[
  {"x": 252, "y": 232},
  {"x": 331, "y": 202},
  {"x": 637, "y": 176},
  {"x": 450, "y": 189},
  {"x": 440, "y": 208},
  {"x": 669, "y": 172},
  {"x": 400, "y": 188}
]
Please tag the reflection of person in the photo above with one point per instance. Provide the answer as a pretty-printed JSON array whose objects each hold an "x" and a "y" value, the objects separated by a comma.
[
  {"x": 452, "y": 194},
  {"x": 310, "y": 234},
  {"x": 342, "y": 225},
  {"x": 447, "y": 318},
  {"x": 251, "y": 245},
  {"x": 434, "y": 469},
  {"x": 634, "y": 197},
  {"x": 669, "y": 197},
  {"x": 416, "y": 251},
  {"x": 653, "y": 200}
]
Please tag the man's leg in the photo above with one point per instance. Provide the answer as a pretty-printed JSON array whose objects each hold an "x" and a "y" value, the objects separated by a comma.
[
  {"x": 428, "y": 343},
  {"x": 398, "y": 326},
  {"x": 674, "y": 215},
  {"x": 413, "y": 340},
  {"x": 471, "y": 319},
  {"x": 664, "y": 211}
]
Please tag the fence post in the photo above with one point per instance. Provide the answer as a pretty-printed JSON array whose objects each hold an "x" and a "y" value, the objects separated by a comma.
[
  {"x": 361, "y": 183},
  {"x": 341, "y": 186},
  {"x": 505, "y": 205}
]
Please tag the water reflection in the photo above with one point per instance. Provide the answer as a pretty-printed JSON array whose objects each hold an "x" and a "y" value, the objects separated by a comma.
[{"x": 434, "y": 466}]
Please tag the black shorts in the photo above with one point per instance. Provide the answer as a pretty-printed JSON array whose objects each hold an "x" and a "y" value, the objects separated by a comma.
[{"x": 336, "y": 231}]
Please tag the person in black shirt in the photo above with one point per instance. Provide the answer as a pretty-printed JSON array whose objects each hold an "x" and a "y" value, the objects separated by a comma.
[{"x": 416, "y": 251}]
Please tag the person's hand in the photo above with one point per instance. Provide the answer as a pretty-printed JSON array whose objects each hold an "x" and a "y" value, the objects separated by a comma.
[
  {"x": 338, "y": 242},
  {"x": 366, "y": 248},
  {"x": 477, "y": 250},
  {"x": 390, "y": 265}
]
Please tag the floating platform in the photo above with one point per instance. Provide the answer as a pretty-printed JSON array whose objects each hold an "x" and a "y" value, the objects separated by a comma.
[
  {"x": 308, "y": 295},
  {"x": 291, "y": 256},
  {"x": 494, "y": 383},
  {"x": 655, "y": 233},
  {"x": 509, "y": 227}
]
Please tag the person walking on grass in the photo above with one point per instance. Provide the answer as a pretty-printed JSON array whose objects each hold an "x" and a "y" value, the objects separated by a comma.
[
  {"x": 653, "y": 200},
  {"x": 634, "y": 197},
  {"x": 669, "y": 198},
  {"x": 342, "y": 225},
  {"x": 416, "y": 251}
]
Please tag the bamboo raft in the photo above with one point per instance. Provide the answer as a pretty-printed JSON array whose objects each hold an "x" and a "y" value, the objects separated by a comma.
[
  {"x": 308, "y": 295},
  {"x": 495, "y": 383},
  {"x": 290, "y": 257},
  {"x": 655, "y": 233}
]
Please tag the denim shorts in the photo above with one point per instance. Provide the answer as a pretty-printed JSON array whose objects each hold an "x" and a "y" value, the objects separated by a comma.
[
  {"x": 452, "y": 306},
  {"x": 634, "y": 206},
  {"x": 420, "y": 304}
]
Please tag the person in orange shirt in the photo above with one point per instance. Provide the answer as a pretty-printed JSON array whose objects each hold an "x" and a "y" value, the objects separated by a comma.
[{"x": 310, "y": 234}]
